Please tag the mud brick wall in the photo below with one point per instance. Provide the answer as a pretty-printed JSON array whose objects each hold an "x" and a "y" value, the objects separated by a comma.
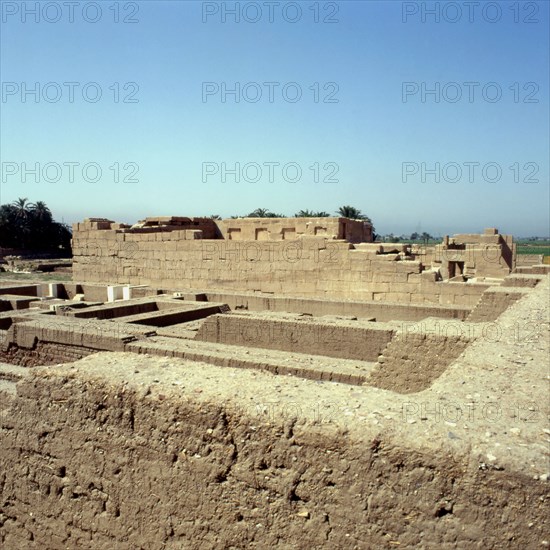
[
  {"x": 529, "y": 281},
  {"x": 346, "y": 342},
  {"x": 43, "y": 353},
  {"x": 411, "y": 362},
  {"x": 495, "y": 301},
  {"x": 534, "y": 269},
  {"x": 72, "y": 332},
  {"x": 311, "y": 267},
  {"x": 112, "y": 464}
]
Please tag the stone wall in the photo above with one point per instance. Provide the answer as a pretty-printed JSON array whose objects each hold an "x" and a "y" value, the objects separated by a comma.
[
  {"x": 381, "y": 311},
  {"x": 310, "y": 267},
  {"x": 489, "y": 255},
  {"x": 346, "y": 341},
  {"x": 284, "y": 229},
  {"x": 529, "y": 259}
]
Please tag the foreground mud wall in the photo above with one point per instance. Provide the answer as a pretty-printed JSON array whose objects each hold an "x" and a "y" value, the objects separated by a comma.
[{"x": 150, "y": 455}]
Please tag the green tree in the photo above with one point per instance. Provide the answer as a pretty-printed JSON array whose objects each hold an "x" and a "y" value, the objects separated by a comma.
[
  {"x": 264, "y": 213},
  {"x": 40, "y": 212},
  {"x": 353, "y": 213},
  {"x": 349, "y": 212},
  {"x": 259, "y": 213},
  {"x": 31, "y": 227},
  {"x": 304, "y": 214},
  {"x": 21, "y": 208}
]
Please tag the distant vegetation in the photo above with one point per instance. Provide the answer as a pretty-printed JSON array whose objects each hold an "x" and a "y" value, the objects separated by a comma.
[
  {"x": 343, "y": 212},
  {"x": 533, "y": 245},
  {"x": 30, "y": 226},
  {"x": 417, "y": 238}
]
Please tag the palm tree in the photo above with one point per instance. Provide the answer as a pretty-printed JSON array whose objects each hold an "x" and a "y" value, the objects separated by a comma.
[
  {"x": 8, "y": 226},
  {"x": 22, "y": 207},
  {"x": 22, "y": 225},
  {"x": 426, "y": 237},
  {"x": 311, "y": 214},
  {"x": 41, "y": 212},
  {"x": 258, "y": 213},
  {"x": 304, "y": 214},
  {"x": 31, "y": 226},
  {"x": 350, "y": 212},
  {"x": 264, "y": 213},
  {"x": 353, "y": 213}
]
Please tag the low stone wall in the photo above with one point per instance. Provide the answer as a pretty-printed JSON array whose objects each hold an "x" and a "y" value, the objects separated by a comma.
[
  {"x": 345, "y": 341},
  {"x": 381, "y": 311},
  {"x": 542, "y": 269},
  {"x": 529, "y": 259},
  {"x": 279, "y": 229},
  {"x": 522, "y": 280}
]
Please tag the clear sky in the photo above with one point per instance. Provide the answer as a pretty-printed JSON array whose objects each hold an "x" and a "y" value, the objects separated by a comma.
[{"x": 394, "y": 96}]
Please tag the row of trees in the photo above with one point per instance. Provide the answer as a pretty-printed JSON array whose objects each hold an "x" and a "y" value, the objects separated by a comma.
[
  {"x": 414, "y": 237},
  {"x": 30, "y": 226},
  {"x": 344, "y": 212}
]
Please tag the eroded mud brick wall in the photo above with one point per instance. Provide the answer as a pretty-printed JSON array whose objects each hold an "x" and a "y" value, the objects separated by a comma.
[
  {"x": 308, "y": 266},
  {"x": 411, "y": 362},
  {"x": 88, "y": 461}
]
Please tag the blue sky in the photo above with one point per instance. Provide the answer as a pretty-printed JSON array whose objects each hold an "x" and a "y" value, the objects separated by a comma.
[{"x": 163, "y": 125}]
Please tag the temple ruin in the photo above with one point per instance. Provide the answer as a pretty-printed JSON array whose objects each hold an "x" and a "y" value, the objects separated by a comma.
[{"x": 278, "y": 381}]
